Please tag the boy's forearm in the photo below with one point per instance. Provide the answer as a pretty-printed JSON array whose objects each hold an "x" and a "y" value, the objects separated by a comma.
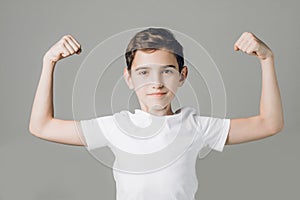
[
  {"x": 270, "y": 103},
  {"x": 42, "y": 109}
]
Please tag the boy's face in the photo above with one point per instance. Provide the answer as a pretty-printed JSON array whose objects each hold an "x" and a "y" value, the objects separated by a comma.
[{"x": 155, "y": 78}]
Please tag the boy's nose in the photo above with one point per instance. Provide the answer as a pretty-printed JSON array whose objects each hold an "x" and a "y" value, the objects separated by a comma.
[
  {"x": 157, "y": 85},
  {"x": 156, "y": 81}
]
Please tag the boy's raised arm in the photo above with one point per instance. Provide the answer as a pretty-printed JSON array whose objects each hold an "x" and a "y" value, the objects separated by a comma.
[
  {"x": 270, "y": 120},
  {"x": 42, "y": 122}
]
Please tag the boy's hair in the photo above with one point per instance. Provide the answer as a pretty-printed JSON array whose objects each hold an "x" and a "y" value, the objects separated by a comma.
[{"x": 150, "y": 40}]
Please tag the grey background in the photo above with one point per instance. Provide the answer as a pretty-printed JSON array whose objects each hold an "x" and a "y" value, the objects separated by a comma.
[{"x": 31, "y": 168}]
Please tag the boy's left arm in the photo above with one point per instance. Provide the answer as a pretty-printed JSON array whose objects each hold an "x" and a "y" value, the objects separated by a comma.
[{"x": 270, "y": 119}]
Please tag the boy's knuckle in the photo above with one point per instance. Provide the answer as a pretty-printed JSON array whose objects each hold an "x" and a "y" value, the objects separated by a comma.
[
  {"x": 66, "y": 37},
  {"x": 62, "y": 41},
  {"x": 61, "y": 45}
]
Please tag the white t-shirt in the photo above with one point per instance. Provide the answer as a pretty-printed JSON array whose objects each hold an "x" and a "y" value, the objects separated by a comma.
[{"x": 157, "y": 164}]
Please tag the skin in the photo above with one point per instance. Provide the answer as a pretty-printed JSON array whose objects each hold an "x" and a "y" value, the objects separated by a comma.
[
  {"x": 155, "y": 79},
  {"x": 268, "y": 122},
  {"x": 270, "y": 119}
]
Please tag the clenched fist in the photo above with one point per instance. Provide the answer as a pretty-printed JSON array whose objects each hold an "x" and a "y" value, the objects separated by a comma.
[
  {"x": 65, "y": 47},
  {"x": 251, "y": 45}
]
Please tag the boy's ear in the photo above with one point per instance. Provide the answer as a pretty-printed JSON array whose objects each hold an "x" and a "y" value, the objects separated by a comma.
[
  {"x": 127, "y": 78},
  {"x": 183, "y": 75}
]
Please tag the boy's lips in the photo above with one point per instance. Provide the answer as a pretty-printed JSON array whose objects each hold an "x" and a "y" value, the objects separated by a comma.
[{"x": 157, "y": 94}]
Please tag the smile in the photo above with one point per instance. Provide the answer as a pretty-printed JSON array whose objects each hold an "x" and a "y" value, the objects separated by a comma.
[{"x": 159, "y": 94}]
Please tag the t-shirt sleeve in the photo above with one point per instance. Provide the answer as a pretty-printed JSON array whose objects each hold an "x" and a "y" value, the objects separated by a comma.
[
  {"x": 214, "y": 131},
  {"x": 92, "y": 133}
]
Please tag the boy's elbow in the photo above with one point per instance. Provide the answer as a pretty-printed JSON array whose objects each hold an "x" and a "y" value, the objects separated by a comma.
[
  {"x": 34, "y": 130},
  {"x": 281, "y": 126},
  {"x": 276, "y": 128},
  {"x": 31, "y": 128},
  {"x": 36, "y": 126}
]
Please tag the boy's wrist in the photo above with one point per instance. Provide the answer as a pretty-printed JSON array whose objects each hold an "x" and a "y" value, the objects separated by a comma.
[
  {"x": 47, "y": 62},
  {"x": 48, "y": 67},
  {"x": 267, "y": 62},
  {"x": 268, "y": 58}
]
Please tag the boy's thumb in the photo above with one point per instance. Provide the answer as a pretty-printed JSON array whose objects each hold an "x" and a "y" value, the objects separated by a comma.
[
  {"x": 79, "y": 51},
  {"x": 236, "y": 48}
]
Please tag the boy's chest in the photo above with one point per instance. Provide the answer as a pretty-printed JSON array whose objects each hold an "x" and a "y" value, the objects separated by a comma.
[
  {"x": 170, "y": 180},
  {"x": 170, "y": 156},
  {"x": 158, "y": 167}
]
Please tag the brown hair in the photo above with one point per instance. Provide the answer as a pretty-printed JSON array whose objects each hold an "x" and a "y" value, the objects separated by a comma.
[{"x": 152, "y": 39}]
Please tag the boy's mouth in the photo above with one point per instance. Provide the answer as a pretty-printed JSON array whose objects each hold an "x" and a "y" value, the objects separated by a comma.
[{"x": 157, "y": 94}]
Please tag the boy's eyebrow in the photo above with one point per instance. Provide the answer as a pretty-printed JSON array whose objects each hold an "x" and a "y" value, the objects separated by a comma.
[{"x": 164, "y": 66}]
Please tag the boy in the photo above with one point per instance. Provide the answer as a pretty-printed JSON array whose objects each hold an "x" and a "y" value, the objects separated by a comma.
[{"x": 155, "y": 70}]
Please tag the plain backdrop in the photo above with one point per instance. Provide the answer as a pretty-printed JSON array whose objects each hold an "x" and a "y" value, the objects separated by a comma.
[{"x": 34, "y": 169}]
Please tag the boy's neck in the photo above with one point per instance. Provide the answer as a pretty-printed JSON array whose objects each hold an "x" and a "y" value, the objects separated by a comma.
[{"x": 158, "y": 111}]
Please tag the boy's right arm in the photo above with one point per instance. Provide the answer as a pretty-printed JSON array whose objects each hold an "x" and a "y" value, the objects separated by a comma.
[{"x": 42, "y": 122}]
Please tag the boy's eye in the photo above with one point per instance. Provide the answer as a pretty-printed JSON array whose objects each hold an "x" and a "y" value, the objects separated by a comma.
[
  {"x": 167, "y": 71},
  {"x": 142, "y": 72}
]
